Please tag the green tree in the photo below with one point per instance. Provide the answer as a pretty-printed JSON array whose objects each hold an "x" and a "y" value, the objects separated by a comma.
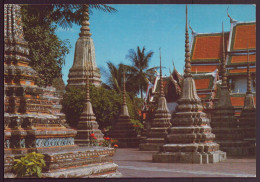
[
  {"x": 139, "y": 72},
  {"x": 67, "y": 14},
  {"x": 47, "y": 51},
  {"x": 106, "y": 105},
  {"x": 58, "y": 83},
  {"x": 115, "y": 80}
]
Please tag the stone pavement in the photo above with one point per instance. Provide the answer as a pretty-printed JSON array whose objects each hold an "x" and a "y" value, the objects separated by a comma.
[{"x": 135, "y": 163}]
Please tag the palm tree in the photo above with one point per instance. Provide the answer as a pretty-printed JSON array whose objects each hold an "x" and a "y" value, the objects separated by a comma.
[
  {"x": 66, "y": 14},
  {"x": 139, "y": 73},
  {"x": 115, "y": 79}
]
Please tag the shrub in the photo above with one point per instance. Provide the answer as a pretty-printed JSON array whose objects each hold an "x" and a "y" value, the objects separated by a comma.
[
  {"x": 106, "y": 105},
  {"x": 30, "y": 165},
  {"x": 138, "y": 126}
]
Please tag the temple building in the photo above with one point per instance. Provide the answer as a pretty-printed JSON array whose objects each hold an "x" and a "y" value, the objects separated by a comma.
[
  {"x": 171, "y": 89},
  {"x": 84, "y": 58},
  {"x": 29, "y": 126},
  {"x": 206, "y": 52}
]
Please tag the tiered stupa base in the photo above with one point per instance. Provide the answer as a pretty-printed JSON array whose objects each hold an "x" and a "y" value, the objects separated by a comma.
[
  {"x": 79, "y": 162},
  {"x": 87, "y": 126},
  {"x": 189, "y": 139},
  {"x": 247, "y": 123},
  {"x": 125, "y": 134},
  {"x": 171, "y": 154},
  {"x": 225, "y": 126},
  {"x": 159, "y": 126}
]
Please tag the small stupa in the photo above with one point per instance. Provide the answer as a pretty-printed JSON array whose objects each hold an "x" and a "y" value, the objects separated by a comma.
[
  {"x": 87, "y": 123},
  {"x": 159, "y": 124},
  {"x": 190, "y": 139},
  {"x": 247, "y": 120},
  {"x": 84, "y": 57},
  {"x": 223, "y": 122},
  {"x": 123, "y": 130}
]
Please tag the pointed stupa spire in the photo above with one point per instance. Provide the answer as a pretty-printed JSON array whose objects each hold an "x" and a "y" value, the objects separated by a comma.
[
  {"x": 124, "y": 97},
  {"x": 85, "y": 30},
  {"x": 88, "y": 106},
  {"x": 87, "y": 88},
  {"x": 124, "y": 110},
  {"x": 223, "y": 64},
  {"x": 249, "y": 91},
  {"x": 187, "y": 71},
  {"x": 161, "y": 79}
]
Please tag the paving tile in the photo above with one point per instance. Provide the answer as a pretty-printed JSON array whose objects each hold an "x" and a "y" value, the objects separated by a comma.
[{"x": 135, "y": 163}]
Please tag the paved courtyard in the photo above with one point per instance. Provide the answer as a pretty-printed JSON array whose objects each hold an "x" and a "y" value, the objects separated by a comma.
[{"x": 135, "y": 163}]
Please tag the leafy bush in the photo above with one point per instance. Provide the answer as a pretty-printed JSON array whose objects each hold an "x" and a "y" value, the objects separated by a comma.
[
  {"x": 30, "y": 165},
  {"x": 138, "y": 126},
  {"x": 106, "y": 105}
]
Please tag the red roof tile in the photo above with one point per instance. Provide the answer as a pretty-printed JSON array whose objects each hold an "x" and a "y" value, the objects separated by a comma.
[
  {"x": 243, "y": 70},
  {"x": 202, "y": 83},
  {"x": 208, "y": 46},
  {"x": 239, "y": 101},
  {"x": 202, "y": 95},
  {"x": 204, "y": 68},
  {"x": 244, "y": 33},
  {"x": 243, "y": 58}
]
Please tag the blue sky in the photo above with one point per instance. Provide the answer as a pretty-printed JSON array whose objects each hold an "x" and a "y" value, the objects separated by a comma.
[{"x": 152, "y": 26}]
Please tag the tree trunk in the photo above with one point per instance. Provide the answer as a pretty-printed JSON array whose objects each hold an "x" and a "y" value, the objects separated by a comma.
[{"x": 141, "y": 92}]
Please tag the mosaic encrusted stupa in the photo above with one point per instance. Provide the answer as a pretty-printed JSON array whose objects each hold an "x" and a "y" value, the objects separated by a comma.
[
  {"x": 123, "y": 130},
  {"x": 223, "y": 122},
  {"x": 87, "y": 124},
  {"x": 84, "y": 57},
  {"x": 247, "y": 120},
  {"x": 159, "y": 124},
  {"x": 190, "y": 139},
  {"x": 28, "y": 124}
]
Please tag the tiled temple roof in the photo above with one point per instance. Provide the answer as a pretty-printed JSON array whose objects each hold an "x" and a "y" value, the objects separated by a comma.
[
  {"x": 240, "y": 71},
  {"x": 203, "y": 68},
  {"x": 205, "y": 84},
  {"x": 237, "y": 100},
  {"x": 207, "y": 47},
  {"x": 241, "y": 35}
]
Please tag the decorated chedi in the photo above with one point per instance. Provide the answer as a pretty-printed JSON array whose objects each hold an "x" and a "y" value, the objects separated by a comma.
[
  {"x": 159, "y": 124},
  {"x": 87, "y": 123},
  {"x": 84, "y": 57},
  {"x": 28, "y": 124},
  {"x": 27, "y": 111},
  {"x": 247, "y": 120},
  {"x": 223, "y": 122},
  {"x": 190, "y": 139},
  {"x": 123, "y": 130}
]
